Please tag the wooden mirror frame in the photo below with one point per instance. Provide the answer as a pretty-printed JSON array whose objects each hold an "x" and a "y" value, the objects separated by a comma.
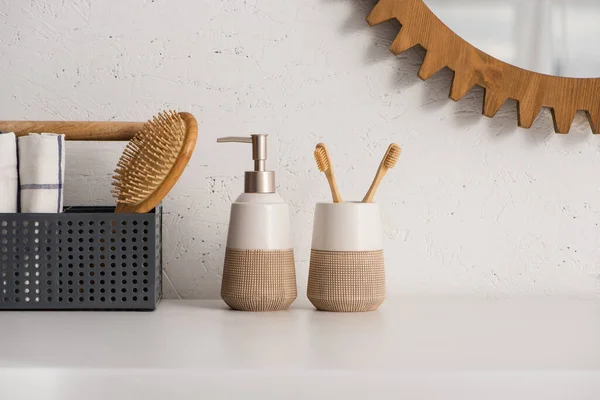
[{"x": 501, "y": 81}]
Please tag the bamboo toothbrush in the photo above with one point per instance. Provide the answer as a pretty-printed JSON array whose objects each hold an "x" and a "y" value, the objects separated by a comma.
[
  {"x": 324, "y": 165},
  {"x": 389, "y": 161}
]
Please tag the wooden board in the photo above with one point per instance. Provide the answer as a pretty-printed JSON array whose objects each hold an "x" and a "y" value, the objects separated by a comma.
[
  {"x": 76, "y": 130},
  {"x": 501, "y": 81}
]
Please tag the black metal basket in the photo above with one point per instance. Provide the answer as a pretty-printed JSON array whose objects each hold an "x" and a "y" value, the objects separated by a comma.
[{"x": 87, "y": 258}]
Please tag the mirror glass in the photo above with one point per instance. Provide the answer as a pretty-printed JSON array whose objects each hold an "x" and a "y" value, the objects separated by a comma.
[{"x": 555, "y": 37}]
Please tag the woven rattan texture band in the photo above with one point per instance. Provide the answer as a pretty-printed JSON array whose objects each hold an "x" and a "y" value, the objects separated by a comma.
[
  {"x": 346, "y": 281},
  {"x": 259, "y": 280}
]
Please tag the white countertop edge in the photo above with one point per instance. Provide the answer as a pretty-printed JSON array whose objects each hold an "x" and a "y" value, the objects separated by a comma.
[{"x": 150, "y": 384}]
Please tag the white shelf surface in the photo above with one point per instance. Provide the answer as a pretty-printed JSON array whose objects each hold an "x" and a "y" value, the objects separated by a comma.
[{"x": 411, "y": 348}]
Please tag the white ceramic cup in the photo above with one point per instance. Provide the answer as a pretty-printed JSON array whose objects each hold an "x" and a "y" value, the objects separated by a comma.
[
  {"x": 346, "y": 262},
  {"x": 351, "y": 226}
]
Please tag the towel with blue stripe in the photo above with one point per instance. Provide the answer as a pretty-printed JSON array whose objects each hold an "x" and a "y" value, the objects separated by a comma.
[{"x": 41, "y": 172}]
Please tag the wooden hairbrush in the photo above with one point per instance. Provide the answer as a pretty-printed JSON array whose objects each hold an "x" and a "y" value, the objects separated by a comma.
[
  {"x": 324, "y": 165},
  {"x": 389, "y": 161},
  {"x": 153, "y": 161}
]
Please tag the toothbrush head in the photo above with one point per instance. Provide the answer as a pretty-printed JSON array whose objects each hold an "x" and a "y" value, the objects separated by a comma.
[
  {"x": 322, "y": 157},
  {"x": 391, "y": 156}
]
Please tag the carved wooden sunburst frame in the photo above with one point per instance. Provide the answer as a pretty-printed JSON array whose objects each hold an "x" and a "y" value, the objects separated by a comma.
[{"x": 471, "y": 66}]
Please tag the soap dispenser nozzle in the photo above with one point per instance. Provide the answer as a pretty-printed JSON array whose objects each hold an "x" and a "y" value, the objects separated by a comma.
[{"x": 260, "y": 180}]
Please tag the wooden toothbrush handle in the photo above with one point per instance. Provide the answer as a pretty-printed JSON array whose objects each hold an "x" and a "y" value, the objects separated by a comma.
[
  {"x": 76, "y": 130},
  {"x": 376, "y": 181},
  {"x": 335, "y": 193}
]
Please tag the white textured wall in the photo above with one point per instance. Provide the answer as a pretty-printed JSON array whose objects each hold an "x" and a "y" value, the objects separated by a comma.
[{"x": 474, "y": 206}]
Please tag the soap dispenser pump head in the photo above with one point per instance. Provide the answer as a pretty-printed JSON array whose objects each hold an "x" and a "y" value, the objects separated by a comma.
[{"x": 260, "y": 180}]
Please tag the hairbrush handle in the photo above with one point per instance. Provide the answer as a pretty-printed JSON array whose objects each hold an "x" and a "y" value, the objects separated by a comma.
[{"x": 76, "y": 130}]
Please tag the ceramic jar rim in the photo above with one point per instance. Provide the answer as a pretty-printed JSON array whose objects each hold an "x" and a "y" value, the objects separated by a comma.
[{"x": 347, "y": 203}]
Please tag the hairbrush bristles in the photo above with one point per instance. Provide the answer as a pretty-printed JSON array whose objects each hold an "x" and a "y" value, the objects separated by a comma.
[
  {"x": 148, "y": 158},
  {"x": 392, "y": 155},
  {"x": 322, "y": 158}
]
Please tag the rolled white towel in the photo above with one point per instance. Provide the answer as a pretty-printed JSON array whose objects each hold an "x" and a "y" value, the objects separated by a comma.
[
  {"x": 41, "y": 172},
  {"x": 9, "y": 173}
]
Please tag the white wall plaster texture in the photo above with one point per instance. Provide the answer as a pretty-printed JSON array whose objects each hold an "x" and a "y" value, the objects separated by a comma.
[{"x": 475, "y": 205}]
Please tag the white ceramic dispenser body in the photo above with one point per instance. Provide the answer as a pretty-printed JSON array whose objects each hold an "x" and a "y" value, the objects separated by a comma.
[
  {"x": 259, "y": 221},
  {"x": 259, "y": 273}
]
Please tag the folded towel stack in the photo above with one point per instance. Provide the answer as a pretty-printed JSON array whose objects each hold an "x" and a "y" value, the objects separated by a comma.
[
  {"x": 41, "y": 172},
  {"x": 9, "y": 178}
]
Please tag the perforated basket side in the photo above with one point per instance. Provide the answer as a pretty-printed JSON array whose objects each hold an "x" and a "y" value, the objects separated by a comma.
[{"x": 85, "y": 258}]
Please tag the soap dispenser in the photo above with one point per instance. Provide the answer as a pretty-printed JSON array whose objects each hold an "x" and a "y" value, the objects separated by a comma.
[{"x": 259, "y": 272}]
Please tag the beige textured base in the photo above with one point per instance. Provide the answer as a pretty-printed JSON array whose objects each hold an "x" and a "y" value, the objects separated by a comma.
[
  {"x": 259, "y": 280},
  {"x": 346, "y": 281}
]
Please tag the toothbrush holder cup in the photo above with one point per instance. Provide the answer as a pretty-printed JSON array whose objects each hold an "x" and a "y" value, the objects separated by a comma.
[{"x": 346, "y": 271}]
